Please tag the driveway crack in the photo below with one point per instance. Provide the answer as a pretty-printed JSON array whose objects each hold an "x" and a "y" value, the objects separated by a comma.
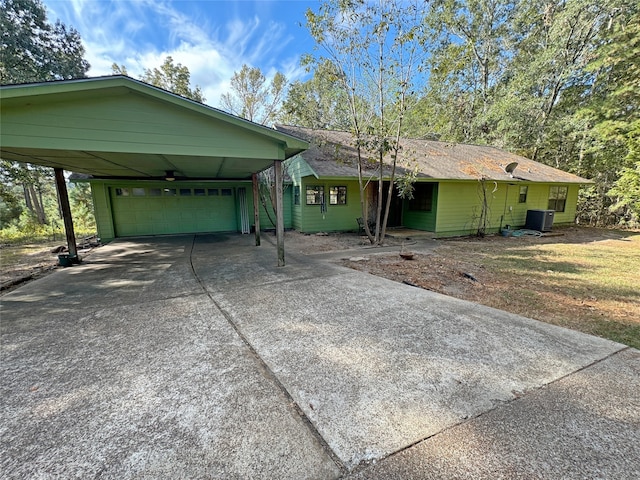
[{"x": 267, "y": 371}]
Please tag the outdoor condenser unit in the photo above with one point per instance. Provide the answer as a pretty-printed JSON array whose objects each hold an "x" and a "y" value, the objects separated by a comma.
[{"x": 540, "y": 220}]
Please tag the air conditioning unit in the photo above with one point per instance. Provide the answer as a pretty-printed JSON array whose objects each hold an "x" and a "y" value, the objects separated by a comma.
[{"x": 540, "y": 220}]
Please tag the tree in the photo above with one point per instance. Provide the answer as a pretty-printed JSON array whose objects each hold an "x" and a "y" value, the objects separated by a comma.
[
  {"x": 317, "y": 103},
  {"x": 257, "y": 100},
  {"x": 531, "y": 77},
  {"x": 33, "y": 50},
  {"x": 613, "y": 115},
  {"x": 81, "y": 202},
  {"x": 470, "y": 43},
  {"x": 119, "y": 69},
  {"x": 175, "y": 78},
  {"x": 10, "y": 208},
  {"x": 252, "y": 97},
  {"x": 375, "y": 48}
]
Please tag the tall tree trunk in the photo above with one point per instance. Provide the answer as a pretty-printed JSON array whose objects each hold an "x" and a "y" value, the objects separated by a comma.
[{"x": 36, "y": 203}]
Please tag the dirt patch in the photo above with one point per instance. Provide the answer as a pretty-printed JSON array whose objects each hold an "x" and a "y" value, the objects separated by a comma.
[
  {"x": 329, "y": 242},
  {"x": 23, "y": 263}
]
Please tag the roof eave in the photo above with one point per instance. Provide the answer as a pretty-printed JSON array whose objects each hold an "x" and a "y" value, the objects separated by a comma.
[{"x": 291, "y": 145}]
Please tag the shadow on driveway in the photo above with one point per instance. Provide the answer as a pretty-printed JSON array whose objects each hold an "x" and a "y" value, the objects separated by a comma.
[{"x": 197, "y": 357}]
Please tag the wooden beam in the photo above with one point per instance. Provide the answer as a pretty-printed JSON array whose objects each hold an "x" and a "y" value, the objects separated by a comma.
[
  {"x": 256, "y": 207},
  {"x": 277, "y": 166},
  {"x": 61, "y": 186}
]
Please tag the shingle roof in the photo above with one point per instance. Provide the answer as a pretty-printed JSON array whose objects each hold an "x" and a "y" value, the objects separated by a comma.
[{"x": 332, "y": 155}]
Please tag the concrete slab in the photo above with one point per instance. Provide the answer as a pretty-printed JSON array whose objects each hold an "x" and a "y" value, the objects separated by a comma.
[
  {"x": 197, "y": 357},
  {"x": 134, "y": 386},
  {"x": 586, "y": 425},
  {"x": 121, "y": 273},
  {"x": 377, "y": 365}
]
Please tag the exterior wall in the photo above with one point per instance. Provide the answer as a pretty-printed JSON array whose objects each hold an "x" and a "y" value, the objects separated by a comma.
[
  {"x": 296, "y": 210},
  {"x": 140, "y": 124},
  {"x": 419, "y": 220},
  {"x": 297, "y": 169},
  {"x": 102, "y": 212},
  {"x": 336, "y": 218},
  {"x": 459, "y": 203},
  {"x": 153, "y": 217},
  {"x": 287, "y": 200},
  {"x": 456, "y": 205}
]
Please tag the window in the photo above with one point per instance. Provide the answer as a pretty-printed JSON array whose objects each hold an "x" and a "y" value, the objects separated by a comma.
[
  {"x": 337, "y": 195},
  {"x": 226, "y": 192},
  {"x": 296, "y": 195},
  {"x": 199, "y": 192},
  {"x": 422, "y": 197},
  {"x": 557, "y": 198},
  {"x": 315, "y": 194},
  {"x": 170, "y": 192},
  {"x": 138, "y": 192},
  {"x": 122, "y": 192},
  {"x": 213, "y": 191},
  {"x": 185, "y": 192},
  {"x": 155, "y": 192},
  {"x": 523, "y": 194}
]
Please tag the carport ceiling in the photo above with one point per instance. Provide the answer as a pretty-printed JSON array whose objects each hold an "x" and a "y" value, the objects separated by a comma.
[{"x": 118, "y": 127}]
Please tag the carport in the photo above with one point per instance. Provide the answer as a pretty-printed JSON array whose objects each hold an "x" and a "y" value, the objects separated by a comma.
[{"x": 116, "y": 128}]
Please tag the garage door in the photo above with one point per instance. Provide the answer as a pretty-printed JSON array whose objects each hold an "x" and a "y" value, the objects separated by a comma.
[{"x": 179, "y": 209}]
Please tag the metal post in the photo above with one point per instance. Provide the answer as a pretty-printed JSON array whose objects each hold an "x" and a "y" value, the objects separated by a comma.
[
  {"x": 256, "y": 207},
  {"x": 61, "y": 186},
  {"x": 277, "y": 166}
]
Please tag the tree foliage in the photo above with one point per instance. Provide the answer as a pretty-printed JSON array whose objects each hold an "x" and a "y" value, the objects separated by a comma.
[
  {"x": 317, "y": 103},
  {"x": 374, "y": 50},
  {"x": 253, "y": 97},
  {"x": 170, "y": 76},
  {"x": 33, "y": 50},
  {"x": 554, "y": 81}
]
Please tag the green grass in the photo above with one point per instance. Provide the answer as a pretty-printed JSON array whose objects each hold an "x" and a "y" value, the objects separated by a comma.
[{"x": 585, "y": 282}]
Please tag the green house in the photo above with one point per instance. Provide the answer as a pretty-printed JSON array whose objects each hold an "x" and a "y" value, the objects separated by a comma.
[
  {"x": 457, "y": 186},
  {"x": 162, "y": 164},
  {"x": 157, "y": 163}
]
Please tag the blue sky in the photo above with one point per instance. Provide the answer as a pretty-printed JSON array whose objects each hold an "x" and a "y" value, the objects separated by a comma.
[{"x": 213, "y": 38}]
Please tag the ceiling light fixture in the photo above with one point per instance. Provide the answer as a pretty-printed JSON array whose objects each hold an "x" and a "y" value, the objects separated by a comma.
[{"x": 169, "y": 176}]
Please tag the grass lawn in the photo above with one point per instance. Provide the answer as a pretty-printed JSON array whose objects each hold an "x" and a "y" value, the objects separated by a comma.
[
  {"x": 585, "y": 279},
  {"x": 593, "y": 287}
]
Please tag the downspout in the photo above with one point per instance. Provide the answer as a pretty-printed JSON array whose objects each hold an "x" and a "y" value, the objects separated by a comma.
[{"x": 504, "y": 210}]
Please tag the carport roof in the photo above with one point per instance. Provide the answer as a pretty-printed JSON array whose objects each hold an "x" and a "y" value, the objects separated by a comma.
[{"x": 118, "y": 127}]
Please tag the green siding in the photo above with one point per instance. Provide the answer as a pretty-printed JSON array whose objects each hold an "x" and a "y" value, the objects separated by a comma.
[
  {"x": 122, "y": 216},
  {"x": 337, "y": 217},
  {"x": 296, "y": 215},
  {"x": 287, "y": 200},
  {"x": 102, "y": 212},
  {"x": 418, "y": 220},
  {"x": 131, "y": 123},
  {"x": 298, "y": 168},
  {"x": 459, "y": 206}
]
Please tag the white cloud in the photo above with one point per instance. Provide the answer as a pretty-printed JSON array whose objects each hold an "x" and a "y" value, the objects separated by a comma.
[{"x": 141, "y": 34}]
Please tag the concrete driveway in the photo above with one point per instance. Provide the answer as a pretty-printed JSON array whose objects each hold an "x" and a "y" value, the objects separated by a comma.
[{"x": 196, "y": 357}]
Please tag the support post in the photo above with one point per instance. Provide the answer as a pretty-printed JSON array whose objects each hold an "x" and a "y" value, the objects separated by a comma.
[
  {"x": 277, "y": 166},
  {"x": 256, "y": 207},
  {"x": 63, "y": 196}
]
